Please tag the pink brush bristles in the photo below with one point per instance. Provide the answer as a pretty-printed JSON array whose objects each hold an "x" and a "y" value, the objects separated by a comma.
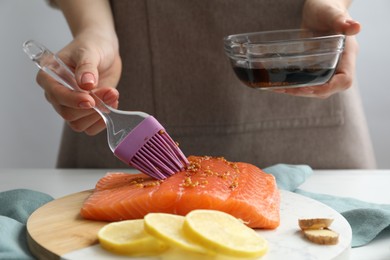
[{"x": 150, "y": 149}]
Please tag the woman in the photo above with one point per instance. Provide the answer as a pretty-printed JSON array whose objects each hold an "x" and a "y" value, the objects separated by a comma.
[{"x": 166, "y": 58}]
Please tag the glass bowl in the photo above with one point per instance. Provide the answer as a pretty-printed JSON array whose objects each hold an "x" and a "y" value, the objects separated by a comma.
[{"x": 284, "y": 59}]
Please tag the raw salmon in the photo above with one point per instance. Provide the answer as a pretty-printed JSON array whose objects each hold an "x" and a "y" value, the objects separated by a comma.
[{"x": 240, "y": 189}]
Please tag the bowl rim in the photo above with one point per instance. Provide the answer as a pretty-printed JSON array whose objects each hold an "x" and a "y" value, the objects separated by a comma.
[
  {"x": 231, "y": 45},
  {"x": 325, "y": 35}
]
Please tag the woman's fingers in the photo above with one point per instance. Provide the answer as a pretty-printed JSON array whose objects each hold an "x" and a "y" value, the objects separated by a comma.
[
  {"x": 75, "y": 107},
  {"x": 58, "y": 94},
  {"x": 91, "y": 122}
]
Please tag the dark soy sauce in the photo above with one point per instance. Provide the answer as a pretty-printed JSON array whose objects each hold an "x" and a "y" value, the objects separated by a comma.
[{"x": 282, "y": 77}]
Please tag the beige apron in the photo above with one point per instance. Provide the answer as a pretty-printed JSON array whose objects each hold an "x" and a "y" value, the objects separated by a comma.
[{"x": 174, "y": 68}]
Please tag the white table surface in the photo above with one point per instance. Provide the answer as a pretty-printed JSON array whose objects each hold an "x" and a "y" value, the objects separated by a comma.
[{"x": 368, "y": 185}]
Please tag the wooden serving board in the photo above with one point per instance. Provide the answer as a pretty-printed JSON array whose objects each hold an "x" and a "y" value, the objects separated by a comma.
[
  {"x": 56, "y": 230},
  {"x": 57, "y": 227}
]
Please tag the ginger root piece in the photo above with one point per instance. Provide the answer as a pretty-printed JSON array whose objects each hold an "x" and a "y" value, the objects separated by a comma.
[
  {"x": 315, "y": 223},
  {"x": 317, "y": 231},
  {"x": 322, "y": 236}
]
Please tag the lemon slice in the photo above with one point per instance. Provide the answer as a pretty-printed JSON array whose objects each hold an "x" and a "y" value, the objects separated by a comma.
[
  {"x": 168, "y": 228},
  {"x": 129, "y": 238},
  {"x": 224, "y": 234}
]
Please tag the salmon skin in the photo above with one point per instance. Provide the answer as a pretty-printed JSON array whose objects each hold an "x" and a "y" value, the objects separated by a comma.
[{"x": 240, "y": 189}]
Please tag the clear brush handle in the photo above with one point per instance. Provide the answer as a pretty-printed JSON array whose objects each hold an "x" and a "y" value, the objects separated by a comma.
[{"x": 56, "y": 68}]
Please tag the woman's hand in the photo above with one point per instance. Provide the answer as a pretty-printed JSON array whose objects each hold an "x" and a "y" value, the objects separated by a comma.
[
  {"x": 94, "y": 56},
  {"x": 97, "y": 68},
  {"x": 331, "y": 15}
]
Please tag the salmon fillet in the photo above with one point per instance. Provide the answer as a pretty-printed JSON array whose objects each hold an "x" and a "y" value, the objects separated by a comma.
[{"x": 240, "y": 189}]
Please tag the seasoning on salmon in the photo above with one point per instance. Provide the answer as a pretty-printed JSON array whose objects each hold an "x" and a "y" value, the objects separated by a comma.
[{"x": 240, "y": 189}]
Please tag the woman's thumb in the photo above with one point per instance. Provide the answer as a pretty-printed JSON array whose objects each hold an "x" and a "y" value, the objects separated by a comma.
[
  {"x": 350, "y": 27},
  {"x": 344, "y": 24},
  {"x": 86, "y": 71}
]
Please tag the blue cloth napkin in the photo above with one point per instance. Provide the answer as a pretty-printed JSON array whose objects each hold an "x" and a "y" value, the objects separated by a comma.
[
  {"x": 366, "y": 219},
  {"x": 15, "y": 208}
]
